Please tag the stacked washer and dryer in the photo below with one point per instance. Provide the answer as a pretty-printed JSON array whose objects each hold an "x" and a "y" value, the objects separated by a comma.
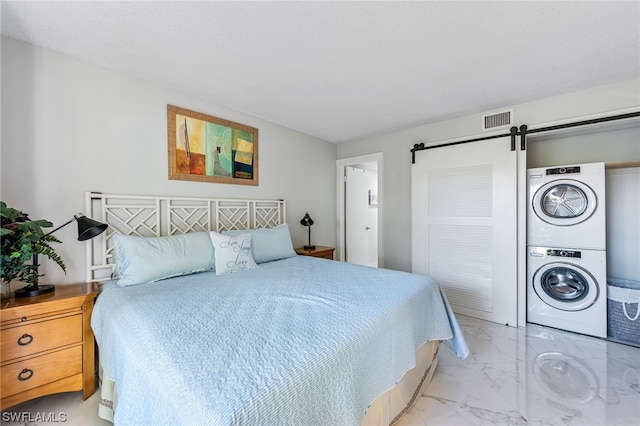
[{"x": 566, "y": 246}]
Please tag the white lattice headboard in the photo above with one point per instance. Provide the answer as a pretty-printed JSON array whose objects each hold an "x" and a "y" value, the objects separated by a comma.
[{"x": 151, "y": 216}]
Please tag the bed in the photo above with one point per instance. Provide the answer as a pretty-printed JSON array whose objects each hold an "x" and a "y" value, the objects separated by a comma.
[{"x": 190, "y": 333}]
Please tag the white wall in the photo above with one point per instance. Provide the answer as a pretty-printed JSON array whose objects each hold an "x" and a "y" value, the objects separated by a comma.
[
  {"x": 608, "y": 146},
  {"x": 69, "y": 127},
  {"x": 623, "y": 223},
  {"x": 396, "y": 150}
]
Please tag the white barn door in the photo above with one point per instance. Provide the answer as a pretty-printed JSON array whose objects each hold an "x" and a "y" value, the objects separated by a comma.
[{"x": 464, "y": 226}]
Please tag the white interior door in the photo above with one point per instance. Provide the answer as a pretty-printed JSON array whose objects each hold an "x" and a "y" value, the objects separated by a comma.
[
  {"x": 464, "y": 226},
  {"x": 377, "y": 246},
  {"x": 361, "y": 214}
]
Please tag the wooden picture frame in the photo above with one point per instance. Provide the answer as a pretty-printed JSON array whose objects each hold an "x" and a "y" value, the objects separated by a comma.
[{"x": 204, "y": 148}]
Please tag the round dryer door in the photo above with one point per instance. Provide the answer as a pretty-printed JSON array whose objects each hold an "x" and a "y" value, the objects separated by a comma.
[
  {"x": 565, "y": 286},
  {"x": 564, "y": 202}
]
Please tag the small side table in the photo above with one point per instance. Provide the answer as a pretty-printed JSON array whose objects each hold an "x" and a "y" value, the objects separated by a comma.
[
  {"x": 319, "y": 251},
  {"x": 47, "y": 344}
]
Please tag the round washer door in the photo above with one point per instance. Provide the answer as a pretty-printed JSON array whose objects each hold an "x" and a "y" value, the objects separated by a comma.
[
  {"x": 564, "y": 202},
  {"x": 565, "y": 286}
]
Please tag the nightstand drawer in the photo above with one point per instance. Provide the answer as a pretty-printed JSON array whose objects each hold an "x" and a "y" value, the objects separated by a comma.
[
  {"x": 40, "y": 336},
  {"x": 328, "y": 255},
  {"x": 318, "y": 251},
  {"x": 31, "y": 373}
]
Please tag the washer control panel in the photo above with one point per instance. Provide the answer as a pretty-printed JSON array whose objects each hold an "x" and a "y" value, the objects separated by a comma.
[
  {"x": 551, "y": 252},
  {"x": 563, "y": 170},
  {"x": 564, "y": 253}
]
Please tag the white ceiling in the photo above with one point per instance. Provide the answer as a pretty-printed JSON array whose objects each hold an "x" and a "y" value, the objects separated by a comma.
[{"x": 341, "y": 71}]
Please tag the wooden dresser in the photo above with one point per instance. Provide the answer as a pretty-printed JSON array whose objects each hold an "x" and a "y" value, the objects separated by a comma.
[
  {"x": 319, "y": 251},
  {"x": 47, "y": 345}
]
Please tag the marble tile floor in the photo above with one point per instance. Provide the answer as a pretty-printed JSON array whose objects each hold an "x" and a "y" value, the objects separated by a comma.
[
  {"x": 532, "y": 376},
  {"x": 514, "y": 376}
]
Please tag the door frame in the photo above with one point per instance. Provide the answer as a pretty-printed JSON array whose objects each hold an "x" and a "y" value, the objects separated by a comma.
[{"x": 341, "y": 164}]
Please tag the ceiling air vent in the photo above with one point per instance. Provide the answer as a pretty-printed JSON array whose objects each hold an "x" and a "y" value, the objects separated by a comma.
[{"x": 497, "y": 120}]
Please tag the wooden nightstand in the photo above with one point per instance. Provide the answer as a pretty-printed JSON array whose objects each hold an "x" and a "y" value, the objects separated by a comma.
[
  {"x": 319, "y": 251},
  {"x": 47, "y": 344}
]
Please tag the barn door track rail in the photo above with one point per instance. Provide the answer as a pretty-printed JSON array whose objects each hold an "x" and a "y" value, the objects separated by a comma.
[{"x": 523, "y": 131}]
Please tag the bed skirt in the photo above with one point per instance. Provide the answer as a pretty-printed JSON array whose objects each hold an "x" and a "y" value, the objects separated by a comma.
[{"x": 387, "y": 409}]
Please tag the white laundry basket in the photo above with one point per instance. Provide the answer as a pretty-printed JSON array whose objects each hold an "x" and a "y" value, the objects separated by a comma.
[{"x": 623, "y": 304}]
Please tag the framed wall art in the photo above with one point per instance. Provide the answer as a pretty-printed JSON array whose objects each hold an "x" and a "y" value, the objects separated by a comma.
[{"x": 204, "y": 148}]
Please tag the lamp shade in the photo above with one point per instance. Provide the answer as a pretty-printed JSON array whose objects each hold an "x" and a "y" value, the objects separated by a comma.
[
  {"x": 306, "y": 220},
  {"x": 88, "y": 228}
]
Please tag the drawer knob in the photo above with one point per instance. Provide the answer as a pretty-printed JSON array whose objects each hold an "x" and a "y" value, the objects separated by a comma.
[
  {"x": 25, "y": 339},
  {"x": 25, "y": 374}
]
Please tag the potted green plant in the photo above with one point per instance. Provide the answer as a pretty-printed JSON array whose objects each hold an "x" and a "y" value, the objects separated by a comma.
[{"x": 22, "y": 238}]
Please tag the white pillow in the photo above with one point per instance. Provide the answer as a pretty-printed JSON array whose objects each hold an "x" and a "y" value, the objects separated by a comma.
[
  {"x": 269, "y": 244},
  {"x": 232, "y": 252},
  {"x": 147, "y": 259}
]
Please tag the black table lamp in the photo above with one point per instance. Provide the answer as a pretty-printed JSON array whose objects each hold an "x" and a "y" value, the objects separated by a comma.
[
  {"x": 87, "y": 229},
  {"x": 307, "y": 221}
]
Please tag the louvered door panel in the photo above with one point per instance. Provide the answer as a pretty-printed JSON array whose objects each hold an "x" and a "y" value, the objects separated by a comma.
[{"x": 464, "y": 226}]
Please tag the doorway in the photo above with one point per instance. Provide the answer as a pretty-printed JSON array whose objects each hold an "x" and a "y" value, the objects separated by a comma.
[{"x": 360, "y": 203}]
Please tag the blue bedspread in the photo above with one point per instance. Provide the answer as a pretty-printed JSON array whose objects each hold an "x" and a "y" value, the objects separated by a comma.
[{"x": 299, "y": 341}]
